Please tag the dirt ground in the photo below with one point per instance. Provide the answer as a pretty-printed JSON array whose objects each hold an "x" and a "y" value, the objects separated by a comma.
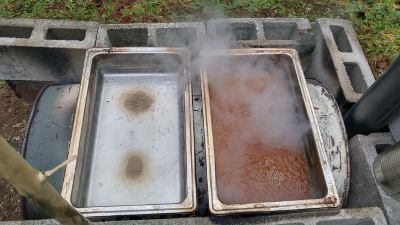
[{"x": 14, "y": 114}]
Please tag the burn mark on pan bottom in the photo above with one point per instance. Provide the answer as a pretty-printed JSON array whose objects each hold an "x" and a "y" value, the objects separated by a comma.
[
  {"x": 134, "y": 168},
  {"x": 138, "y": 101},
  {"x": 134, "y": 171}
]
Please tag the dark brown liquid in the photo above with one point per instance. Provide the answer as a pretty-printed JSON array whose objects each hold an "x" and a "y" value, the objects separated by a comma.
[{"x": 248, "y": 169}]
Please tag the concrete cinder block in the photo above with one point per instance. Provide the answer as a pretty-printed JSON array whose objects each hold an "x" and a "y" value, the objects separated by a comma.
[
  {"x": 265, "y": 33},
  {"x": 364, "y": 216},
  {"x": 338, "y": 61},
  {"x": 394, "y": 127},
  {"x": 365, "y": 191},
  {"x": 44, "y": 50},
  {"x": 151, "y": 35},
  {"x": 185, "y": 35}
]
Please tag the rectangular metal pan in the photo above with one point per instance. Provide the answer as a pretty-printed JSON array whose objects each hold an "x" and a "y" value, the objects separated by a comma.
[
  {"x": 133, "y": 134},
  {"x": 225, "y": 193}
]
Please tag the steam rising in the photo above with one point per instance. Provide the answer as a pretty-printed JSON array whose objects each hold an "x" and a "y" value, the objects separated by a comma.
[
  {"x": 266, "y": 87},
  {"x": 258, "y": 132},
  {"x": 257, "y": 128}
]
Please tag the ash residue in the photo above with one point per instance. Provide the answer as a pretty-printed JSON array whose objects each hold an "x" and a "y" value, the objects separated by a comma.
[
  {"x": 138, "y": 102},
  {"x": 134, "y": 168}
]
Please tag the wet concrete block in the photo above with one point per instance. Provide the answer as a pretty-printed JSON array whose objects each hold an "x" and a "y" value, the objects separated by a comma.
[
  {"x": 44, "y": 50},
  {"x": 264, "y": 33},
  {"x": 338, "y": 61},
  {"x": 365, "y": 191}
]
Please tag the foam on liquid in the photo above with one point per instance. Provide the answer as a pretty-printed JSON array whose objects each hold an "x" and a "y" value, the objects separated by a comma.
[{"x": 258, "y": 159}]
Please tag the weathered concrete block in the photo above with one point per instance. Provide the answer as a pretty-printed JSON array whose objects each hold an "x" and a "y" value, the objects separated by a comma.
[
  {"x": 44, "y": 50},
  {"x": 184, "y": 35},
  {"x": 265, "y": 33},
  {"x": 394, "y": 127},
  {"x": 338, "y": 61},
  {"x": 151, "y": 35},
  {"x": 364, "y": 216},
  {"x": 365, "y": 191}
]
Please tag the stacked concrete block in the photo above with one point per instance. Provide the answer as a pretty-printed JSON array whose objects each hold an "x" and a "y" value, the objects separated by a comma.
[
  {"x": 44, "y": 50},
  {"x": 150, "y": 35},
  {"x": 184, "y": 35},
  {"x": 394, "y": 127},
  {"x": 264, "y": 33},
  {"x": 365, "y": 191},
  {"x": 338, "y": 61},
  {"x": 364, "y": 216}
]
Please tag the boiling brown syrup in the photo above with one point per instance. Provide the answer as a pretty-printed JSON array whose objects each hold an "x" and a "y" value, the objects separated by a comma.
[{"x": 251, "y": 171}]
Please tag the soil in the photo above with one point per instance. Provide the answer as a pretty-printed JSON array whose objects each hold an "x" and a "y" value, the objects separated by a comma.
[{"x": 14, "y": 114}]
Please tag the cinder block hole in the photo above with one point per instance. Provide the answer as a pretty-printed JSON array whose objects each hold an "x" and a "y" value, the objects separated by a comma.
[
  {"x": 341, "y": 40},
  {"x": 360, "y": 221},
  {"x": 237, "y": 31},
  {"x": 65, "y": 34},
  {"x": 381, "y": 147},
  {"x": 176, "y": 37},
  {"x": 356, "y": 77},
  {"x": 281, "y": 31},
  {"x": 136, "y": 37},
  {"x": 15, "y": 32}
]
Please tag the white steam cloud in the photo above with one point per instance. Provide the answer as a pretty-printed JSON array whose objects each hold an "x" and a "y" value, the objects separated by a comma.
[{"x": 257, "y": 128}]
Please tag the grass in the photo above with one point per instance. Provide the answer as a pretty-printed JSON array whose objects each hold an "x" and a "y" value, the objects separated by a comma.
[
  {"x": 378, "y": 31},
  {"x": 376, "y": 22},
  {"x": 2, "y": 83}
]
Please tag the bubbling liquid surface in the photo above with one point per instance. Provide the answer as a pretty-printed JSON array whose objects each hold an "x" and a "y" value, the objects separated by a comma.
[{"x": 258, "y": 159}]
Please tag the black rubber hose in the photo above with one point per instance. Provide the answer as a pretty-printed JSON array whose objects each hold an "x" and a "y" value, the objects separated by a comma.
[{"x": 379, "y": 105}]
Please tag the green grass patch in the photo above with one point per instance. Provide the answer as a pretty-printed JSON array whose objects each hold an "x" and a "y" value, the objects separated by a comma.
[
  {"x": 378, "y": 30},
  {"x": 2, "y": 83},
  {"x": 376, "y": 22}
]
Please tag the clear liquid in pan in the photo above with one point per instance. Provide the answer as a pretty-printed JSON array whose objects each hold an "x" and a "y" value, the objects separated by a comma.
[{"x": 257, "y": 140}]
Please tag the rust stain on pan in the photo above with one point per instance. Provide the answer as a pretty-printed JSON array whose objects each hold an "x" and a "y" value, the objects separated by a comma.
[
  {"x": 258, "y": 205},
  {"x": 330, "y": 200},
  {"x": 137, "y": 101},
  {"x": 269, "y": 205}
]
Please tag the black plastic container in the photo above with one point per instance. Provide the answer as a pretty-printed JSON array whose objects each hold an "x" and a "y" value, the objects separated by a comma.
[{"x": 379, "y": 105}]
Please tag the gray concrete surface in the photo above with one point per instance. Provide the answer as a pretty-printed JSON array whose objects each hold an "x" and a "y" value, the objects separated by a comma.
[
  {"x": 185, "y": 35},
  {"x": 364, "y": 216},
  {"x": 338, "y": 60},
  {"x": 365, "y": 191},
  {"x": 151, "y": 35},
  {"x": 394, "y": 127},
  {"x": 44, "y": 50},
  {"x": 265, "y": 33}
]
